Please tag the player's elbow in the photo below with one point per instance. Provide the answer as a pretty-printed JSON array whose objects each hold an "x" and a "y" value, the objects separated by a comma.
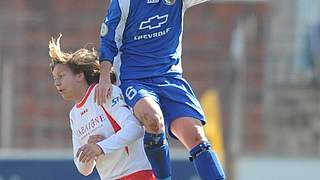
[
  {"x": 140, "y": 133},
  {"x": 138, "y": 130},
  {"x": 84, "y": 168},
  {"x": 85, "y": 172}
]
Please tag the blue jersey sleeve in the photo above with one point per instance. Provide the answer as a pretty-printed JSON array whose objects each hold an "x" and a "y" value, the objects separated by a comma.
[{"x": 108, "y": 47}]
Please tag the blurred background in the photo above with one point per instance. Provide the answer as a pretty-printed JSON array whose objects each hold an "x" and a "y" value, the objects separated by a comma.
[{"x": 254, "y": 65}]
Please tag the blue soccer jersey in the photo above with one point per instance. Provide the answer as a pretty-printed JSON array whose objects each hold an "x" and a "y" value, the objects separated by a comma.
[{"x": 142, "y": 38}]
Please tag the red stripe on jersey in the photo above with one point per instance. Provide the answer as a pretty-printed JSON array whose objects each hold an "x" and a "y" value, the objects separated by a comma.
[
  {"x": 116, "y": 127},
  {"x": 84, "y": 99}
]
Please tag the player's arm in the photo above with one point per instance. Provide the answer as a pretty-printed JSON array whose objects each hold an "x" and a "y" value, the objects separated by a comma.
[
  {"x": 103, "y": 89},
  {"x": 84, "y": 168},
  {"x": 131, "y": 129},
  {"x": 108, "y": 50}
]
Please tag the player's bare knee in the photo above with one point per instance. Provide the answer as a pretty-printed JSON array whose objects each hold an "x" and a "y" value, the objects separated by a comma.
[
  {"x": 153, "y": 123},
  {"x": 198, "y": 138},
  {"x": 154, "y": 128},
  {"x": 195, "y": 140}
]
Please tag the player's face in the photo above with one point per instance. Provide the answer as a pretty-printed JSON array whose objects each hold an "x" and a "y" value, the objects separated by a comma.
[{"x": 65, "y": 81}]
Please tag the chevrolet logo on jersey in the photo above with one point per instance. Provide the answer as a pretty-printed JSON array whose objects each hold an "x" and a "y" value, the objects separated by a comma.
[{"x": 154, "y": 22}]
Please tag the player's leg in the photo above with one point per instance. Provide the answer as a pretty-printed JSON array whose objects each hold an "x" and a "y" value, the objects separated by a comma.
[
  {"x": 156, "y": 146},
  {"x": 190, "y": 132},
  {"x": 185, "y": 117},
  {"x": 147, "y": 110}
]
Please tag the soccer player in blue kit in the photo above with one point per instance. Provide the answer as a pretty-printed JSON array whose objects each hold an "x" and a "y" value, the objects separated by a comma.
[{"x": 141, "y": 40}]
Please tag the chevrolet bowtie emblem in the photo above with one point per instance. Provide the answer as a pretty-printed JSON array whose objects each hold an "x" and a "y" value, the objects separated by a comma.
[{"x": 154, "y": 22}]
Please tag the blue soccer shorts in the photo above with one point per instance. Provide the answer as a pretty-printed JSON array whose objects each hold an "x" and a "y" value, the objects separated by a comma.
[{"x": 173, "y": 94}]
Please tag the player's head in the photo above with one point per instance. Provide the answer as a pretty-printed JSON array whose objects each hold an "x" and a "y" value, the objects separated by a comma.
[
  {"x": 73, "y": 70},
  {"x": 81, "y": 61}
]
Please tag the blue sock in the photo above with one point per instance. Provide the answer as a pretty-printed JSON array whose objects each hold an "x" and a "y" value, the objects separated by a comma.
[
  {"x": 157, "y": 151},
  {"x": 206, "y": 162}
]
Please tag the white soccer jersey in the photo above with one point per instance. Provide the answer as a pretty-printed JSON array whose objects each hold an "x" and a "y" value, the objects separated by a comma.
[{"x": 123, "y": 147}]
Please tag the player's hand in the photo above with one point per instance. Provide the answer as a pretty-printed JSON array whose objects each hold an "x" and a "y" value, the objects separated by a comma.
[
  {"x": 95, "y": 138},
  {"x": 102, "y": 92},
  {"x": 88, "y": 152}
]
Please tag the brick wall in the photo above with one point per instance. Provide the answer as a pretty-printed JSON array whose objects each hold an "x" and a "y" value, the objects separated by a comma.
[
  {"x": 208, "y": 64},
  {"x": 41, "y": 116}
]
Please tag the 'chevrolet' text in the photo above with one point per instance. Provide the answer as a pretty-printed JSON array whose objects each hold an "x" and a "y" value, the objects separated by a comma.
[{"x": 152, "y": 35}]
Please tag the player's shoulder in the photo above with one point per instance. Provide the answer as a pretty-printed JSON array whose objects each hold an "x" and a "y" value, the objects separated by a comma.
[
  {"x": 71, "y": 112},
  {"x": 116, "y": 90},
  {"x": 189, "y": 3},
  {"x": 115, "y": 4},
  {"x": 71, "y": 116},
  {"x": 123, "y": 1},
  {"x": 117, "y": 99}
]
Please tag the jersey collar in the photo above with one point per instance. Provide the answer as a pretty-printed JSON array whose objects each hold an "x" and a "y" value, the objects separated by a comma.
[{"x": 84, "y": 99}]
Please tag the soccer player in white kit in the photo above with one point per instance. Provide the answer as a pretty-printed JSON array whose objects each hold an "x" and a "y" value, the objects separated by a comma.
[{"x": 105, "y": 136}]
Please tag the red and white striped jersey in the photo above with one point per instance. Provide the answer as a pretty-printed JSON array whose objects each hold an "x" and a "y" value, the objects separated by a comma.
[{"x": 123, "y": 147}]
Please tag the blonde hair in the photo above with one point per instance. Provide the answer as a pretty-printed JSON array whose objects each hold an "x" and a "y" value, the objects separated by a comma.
[{"x": 82, "y": 60}]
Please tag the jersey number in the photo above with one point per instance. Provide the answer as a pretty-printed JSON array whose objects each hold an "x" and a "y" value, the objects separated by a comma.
[{"x": 131, "y": 92}]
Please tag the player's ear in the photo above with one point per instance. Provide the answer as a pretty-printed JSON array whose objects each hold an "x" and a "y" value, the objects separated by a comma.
[{"x": 80, "y": 76}]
